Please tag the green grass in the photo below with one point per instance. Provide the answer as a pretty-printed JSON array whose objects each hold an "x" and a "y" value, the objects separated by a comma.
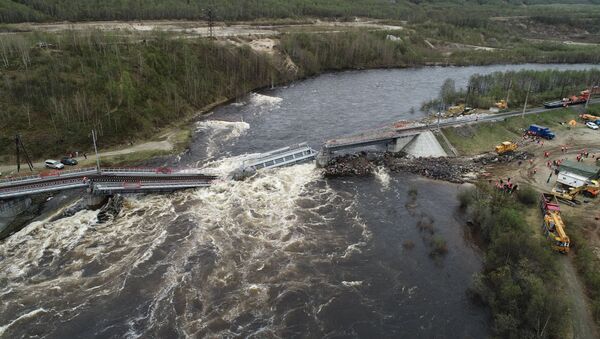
[{"x": 483, "y": 137}]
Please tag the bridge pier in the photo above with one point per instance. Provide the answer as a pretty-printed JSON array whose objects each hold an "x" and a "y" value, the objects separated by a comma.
[
  {"x": 14, "y": 207},
  {"x": 95, "y": 200},
  {"x": 399, "y": 144},
  {"x": 323, "y": 158}
]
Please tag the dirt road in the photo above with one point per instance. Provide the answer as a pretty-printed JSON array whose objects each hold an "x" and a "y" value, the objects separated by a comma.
[{"x": 200, "y": 28}]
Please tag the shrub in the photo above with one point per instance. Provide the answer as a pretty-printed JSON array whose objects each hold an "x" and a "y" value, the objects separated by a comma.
[
  {"x": 438, "y": 246},
  {"x": 527, "y": 195}
]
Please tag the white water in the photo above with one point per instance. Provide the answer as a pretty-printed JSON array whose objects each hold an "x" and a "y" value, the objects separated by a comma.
[
  {"x": 244, "y": 226},
  {"x": 265, "y": 103},
  {"x": 219, "y": 132}
]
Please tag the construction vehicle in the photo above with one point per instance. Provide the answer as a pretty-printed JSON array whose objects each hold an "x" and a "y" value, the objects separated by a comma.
[
  {"x": 553, "y": 225},
  {"x": 589, "y": 117},
  {"x": 591, "y": 190},
  {"x": 502, "y": 104},
  {"x": 506, "y": 147},
  {"x": 572, "y": 100},
  {"x": 457, "y": 110},
  {"x": 540, "y": 131}
]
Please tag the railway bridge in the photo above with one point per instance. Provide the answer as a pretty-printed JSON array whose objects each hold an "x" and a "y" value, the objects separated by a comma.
[
  {"x": 413, "y": 138},
  {"x": 105, "y": 181}
]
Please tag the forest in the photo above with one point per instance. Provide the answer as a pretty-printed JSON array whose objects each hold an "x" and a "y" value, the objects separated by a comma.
[
  {"x": 128, "y": 87},
  {"x": 123, "y": 88},
  {"x": 235, "y": 10}
]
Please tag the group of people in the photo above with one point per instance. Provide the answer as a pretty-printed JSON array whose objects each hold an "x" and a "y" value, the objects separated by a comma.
[{"x": 505, "y": 186}]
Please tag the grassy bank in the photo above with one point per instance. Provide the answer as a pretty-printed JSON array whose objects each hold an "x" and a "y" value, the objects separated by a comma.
[
  {"x": 482, "y": 137},
  {"x": 520, "y": 280}
]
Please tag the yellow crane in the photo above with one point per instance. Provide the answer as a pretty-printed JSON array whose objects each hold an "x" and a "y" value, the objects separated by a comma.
[{"x": 555, "y": 230}]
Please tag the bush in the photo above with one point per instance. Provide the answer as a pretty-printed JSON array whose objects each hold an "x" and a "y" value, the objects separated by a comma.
[
  {"x": 438, "y": 246},
  {"x": 527, "y": 195},
  {"x": 519, "y": 275}
]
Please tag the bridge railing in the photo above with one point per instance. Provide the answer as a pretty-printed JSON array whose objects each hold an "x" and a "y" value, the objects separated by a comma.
[{"x": 59, "y": 173}]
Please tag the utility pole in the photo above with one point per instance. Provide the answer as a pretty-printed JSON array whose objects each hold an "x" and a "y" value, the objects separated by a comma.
[
  {"x": 589, "y": 97},
  {"x": 211, "y": 16},
  {"x": 526, "y": 97},
  {"x": 508, "y": 91},
  {"x": 20, "y": 146},
  {"x": 96, "y": 151}
]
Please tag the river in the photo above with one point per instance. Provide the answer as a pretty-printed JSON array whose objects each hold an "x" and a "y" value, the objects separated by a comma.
[{"x": 283, "y": 254}]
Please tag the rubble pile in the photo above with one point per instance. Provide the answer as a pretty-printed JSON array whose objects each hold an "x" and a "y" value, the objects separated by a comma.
[
  {"x": 454, "y": 170},
  {"x": 359, "y": 164},
  {"x": 457, "y": 170},
  {"x": 111, "y": 209},
  {"x": 491, "y": 158}
]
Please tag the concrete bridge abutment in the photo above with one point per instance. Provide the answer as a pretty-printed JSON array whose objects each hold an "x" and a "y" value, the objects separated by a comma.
[{"x": 399, "y": 144}]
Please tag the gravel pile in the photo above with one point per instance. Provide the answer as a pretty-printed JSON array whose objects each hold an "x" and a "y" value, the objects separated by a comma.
[{"x": 491, "y": 158}]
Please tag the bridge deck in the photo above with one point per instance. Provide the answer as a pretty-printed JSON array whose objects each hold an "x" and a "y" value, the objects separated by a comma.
[
  {"x": 374, "y": 136},
  {"x": 112, "y": 179},
  {"x": 283, "y": 157}
]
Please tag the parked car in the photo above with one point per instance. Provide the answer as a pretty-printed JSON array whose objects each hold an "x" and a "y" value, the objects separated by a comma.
[
  {"x": 54, "y": 164},
  {"x": 591, "y": 125},
  {"x": 68, "y": 161}
]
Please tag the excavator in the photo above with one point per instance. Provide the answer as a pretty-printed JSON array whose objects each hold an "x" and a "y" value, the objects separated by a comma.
[{"x": 591, "y": 189}]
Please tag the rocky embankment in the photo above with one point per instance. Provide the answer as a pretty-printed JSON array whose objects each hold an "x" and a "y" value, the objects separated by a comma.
[{"x": 457, "y": 170}]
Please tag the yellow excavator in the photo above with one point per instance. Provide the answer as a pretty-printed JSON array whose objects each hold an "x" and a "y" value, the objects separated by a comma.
[
  {"x": 555, "y": 230},
  {"x": 591, "y": 189},
  {"x": 506, "y": 147}
]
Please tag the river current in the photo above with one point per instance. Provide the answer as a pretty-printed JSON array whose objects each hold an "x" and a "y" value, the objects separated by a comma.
[{"x": 283, "y": 254}]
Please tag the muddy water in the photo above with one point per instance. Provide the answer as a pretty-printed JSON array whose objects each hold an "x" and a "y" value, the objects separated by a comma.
[{"x": 284, "y": 254}]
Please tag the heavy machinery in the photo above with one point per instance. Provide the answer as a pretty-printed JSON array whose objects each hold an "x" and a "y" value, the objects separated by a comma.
[
  {"x": 555, "y": 230},
  {"x": 554, "y": 227},
  {"x": 540, "y": 131},
  {"x": 502, "y": 104},
  {"x": 572, "y": 100},
  {"x": 457, "y": 110},
  {"x": 591, "y": 190},
  {"x": 506, "y": 147},
  {"x": 589, "y": 117}
]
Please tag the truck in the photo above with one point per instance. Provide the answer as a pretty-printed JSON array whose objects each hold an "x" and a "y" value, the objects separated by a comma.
[
  {"x": 553, "y": 225},
  {"x": 506, "y": 147},
  {"x": 540, "y": 131},
  {"x": 572, "y": 100}
]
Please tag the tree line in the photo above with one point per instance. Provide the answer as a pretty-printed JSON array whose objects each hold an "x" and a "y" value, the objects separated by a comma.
[
  {"x": 483, "y": 91},
  {"x": 57, "y": 92}
]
